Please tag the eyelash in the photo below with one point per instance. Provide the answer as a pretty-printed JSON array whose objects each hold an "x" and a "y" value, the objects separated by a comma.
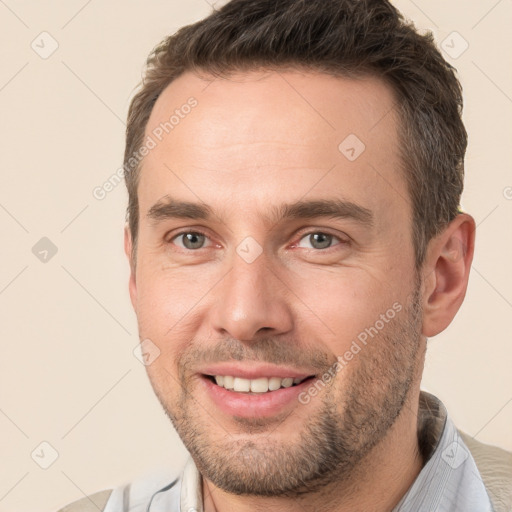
[{"x": 302, "y": 236}]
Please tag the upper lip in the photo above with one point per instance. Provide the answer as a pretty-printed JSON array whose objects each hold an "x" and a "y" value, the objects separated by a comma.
[{"x": 254, "y": 371}]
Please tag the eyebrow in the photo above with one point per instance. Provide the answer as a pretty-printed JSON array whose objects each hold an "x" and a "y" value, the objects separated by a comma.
[{"x": 169, "y": 208}]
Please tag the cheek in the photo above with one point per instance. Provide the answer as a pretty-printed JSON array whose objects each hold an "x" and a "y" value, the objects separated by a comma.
[
  {"x": 340, "y": 305},
  {"x": 165, "y": 297},
  {"x": 170, "y": 307},
  {"x": 166, "y": 384}
]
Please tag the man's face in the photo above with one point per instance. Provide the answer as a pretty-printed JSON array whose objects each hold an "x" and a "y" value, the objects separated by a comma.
[{"x": 265, "y": 283}]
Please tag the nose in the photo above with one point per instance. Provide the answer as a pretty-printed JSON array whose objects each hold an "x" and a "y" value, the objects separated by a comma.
[{"x": 252, "y": 301}]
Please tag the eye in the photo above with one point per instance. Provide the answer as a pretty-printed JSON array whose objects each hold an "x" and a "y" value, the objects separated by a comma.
[
  {"x": 190, "y": 240},
  {"x": 319, "y": 240}
]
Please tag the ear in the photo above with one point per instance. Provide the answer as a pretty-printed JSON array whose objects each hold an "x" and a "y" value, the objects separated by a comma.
[
  {"x": 128, "y": 249},
  {"x": 446, "y": 273}
]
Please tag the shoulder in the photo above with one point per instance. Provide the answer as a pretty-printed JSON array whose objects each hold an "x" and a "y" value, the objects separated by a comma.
[
  {"x": 93, "y": 503},
  {"x": 495, "y": 467},
  {"x": 160, "y": 489}
]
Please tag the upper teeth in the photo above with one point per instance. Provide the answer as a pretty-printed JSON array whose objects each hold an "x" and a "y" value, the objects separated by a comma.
[{"x": 261, "y": 385}]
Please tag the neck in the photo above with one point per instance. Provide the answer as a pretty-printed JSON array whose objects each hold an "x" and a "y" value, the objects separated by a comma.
[{"x": 378, "y": 483}]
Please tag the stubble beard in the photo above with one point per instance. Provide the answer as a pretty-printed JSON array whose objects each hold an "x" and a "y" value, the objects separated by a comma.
[{"x": 331, "y": 442}]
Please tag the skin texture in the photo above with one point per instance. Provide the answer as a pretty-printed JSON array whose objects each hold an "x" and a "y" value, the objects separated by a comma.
[{"x": 255, "y": 141}]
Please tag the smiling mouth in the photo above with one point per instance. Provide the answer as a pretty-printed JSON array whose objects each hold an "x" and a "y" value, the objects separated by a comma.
[{"x": 256, "y": 386}]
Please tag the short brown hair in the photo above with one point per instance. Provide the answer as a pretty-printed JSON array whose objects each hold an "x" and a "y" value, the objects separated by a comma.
[{"x": 351, "y": 38}]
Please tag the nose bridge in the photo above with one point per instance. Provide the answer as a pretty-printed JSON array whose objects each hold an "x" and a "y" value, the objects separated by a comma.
[{"x": 251, "y": 298}]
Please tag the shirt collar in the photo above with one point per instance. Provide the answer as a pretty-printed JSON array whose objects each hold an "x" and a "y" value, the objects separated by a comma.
[{"x": 449, "y": 479}]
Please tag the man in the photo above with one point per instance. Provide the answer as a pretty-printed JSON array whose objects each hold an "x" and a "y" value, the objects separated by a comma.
[{"x": 294, "y": 171}]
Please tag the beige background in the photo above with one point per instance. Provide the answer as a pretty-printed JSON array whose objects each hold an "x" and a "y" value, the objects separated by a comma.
[{"x": 67, "y": 372}]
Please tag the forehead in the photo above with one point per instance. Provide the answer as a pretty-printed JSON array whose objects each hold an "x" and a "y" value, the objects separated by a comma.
[{"x": 294, "y": 132}]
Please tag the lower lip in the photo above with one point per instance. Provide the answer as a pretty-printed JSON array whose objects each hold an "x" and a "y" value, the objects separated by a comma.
[{"x": 245, "y": 405}]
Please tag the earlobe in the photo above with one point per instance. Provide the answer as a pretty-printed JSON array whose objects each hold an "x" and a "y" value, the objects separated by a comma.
[
  {"x": 128, "y": 249},
  {"x": 447, "y": 272}
]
